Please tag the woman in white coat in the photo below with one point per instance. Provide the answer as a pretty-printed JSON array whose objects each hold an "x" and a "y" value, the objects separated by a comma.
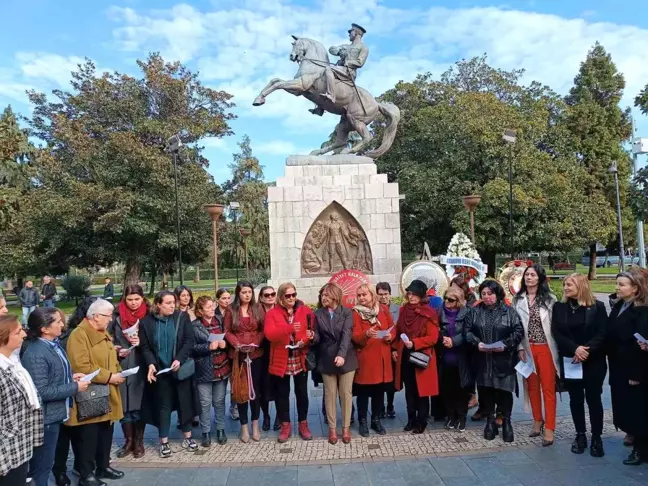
[{"x": 534, "y": 304}]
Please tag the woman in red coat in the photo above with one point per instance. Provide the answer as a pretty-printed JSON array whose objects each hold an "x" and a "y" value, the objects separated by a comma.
[
  {"x": 289, "y": 328},
  {"x": 420, "y": 324},
  {"x": 374, "y": 356}
]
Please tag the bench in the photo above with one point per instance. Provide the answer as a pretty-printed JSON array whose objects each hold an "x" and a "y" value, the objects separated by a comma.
[{"x": 563, "y": 266}]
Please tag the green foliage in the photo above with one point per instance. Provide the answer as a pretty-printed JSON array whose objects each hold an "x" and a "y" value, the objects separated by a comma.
[
  {"x": 105, "y": 185},
  {"x": 641, "y": 101},
  {"x": 639, "y": 193},
  {"x": 76, "y": 286}
]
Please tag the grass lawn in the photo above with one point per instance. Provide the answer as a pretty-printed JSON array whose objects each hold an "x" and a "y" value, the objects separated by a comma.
[{"x": 581, "y": 269}]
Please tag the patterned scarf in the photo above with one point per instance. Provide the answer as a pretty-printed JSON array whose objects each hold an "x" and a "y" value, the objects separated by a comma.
[{"x": 368, "y": 314}]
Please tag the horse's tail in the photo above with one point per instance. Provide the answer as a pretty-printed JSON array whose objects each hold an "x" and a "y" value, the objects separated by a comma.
[{"x": 391, "y": 112}]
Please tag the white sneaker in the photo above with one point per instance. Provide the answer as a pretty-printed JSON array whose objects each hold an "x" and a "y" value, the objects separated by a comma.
[
  {"x": 165, "y": 450},
  {"x": 190, "y": 445}
]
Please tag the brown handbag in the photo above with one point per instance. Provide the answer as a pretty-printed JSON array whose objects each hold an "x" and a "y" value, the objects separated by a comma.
[{"x": 240, "y": 385}]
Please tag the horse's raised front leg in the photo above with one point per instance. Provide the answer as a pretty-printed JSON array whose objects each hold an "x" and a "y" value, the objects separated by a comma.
[{"x": 293, "y": 85}]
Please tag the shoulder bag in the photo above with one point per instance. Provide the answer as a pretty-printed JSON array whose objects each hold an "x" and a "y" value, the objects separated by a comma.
[
  {"x": 242, "y": 385},
  {"x": 188, "y": 368},
  {"x": 93, "y": 403},
  {"x": 311, "y": 356},
  {"x": 419, "y": 359}
]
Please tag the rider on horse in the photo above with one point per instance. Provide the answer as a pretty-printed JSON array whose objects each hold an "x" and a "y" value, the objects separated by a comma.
[{"x": 352, "y": 57}]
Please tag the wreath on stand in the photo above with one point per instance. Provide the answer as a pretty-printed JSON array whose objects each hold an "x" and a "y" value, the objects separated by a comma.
[{"x": 462, "y": 259}]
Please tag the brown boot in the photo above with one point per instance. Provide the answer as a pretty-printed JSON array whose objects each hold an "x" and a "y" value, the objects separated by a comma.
[
  {"x": 346, "y": 435},
  {"x": 333, "y": 438},
  {"x": 127, "y": 449},
  {"x": 138, "y": 450}
]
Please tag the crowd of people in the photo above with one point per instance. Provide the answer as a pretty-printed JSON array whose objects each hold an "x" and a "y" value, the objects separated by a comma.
[{"x": 137, "y": 362}]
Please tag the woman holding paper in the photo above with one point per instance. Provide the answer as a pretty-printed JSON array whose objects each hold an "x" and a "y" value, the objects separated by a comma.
[
  {"x": 373, "y": 332},
  {"x": 166, "y": 339},
  {"x": 579, "y": 326},
  {"x": 534, "y": 304},
  {"x": 213, "y": 368},
  {"x": 417, "y": 332},
  {"x": 244, "y": 332},
  {"x": 289, "y": 328},
  {"x": 496, "y": 331},
  {"x": 50, "y": 370},
  {"x": 90, "y": 350},
  {"x": 124, "y": 328},
  {"x": 628, "y": 363}
]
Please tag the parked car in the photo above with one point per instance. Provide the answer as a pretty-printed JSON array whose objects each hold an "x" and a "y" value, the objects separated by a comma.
[{"x": 605, "y": 259}]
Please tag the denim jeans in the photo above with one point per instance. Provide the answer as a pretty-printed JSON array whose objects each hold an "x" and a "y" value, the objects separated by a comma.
[
  {"x": 42, "y": 459},
  {"x": 25, "y": 314},
  {"x": 48, "y": 304},
  {"x": 212, "y": 394},
  {"x": 131, "y": 417}
]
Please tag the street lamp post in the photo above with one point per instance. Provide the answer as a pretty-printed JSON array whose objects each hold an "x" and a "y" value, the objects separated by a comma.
[
  {"x": 510, "y": 137},
  {"x": 471, "y": 203},
  {"x": 215, "y": 211},
  {"x": 173, "y": 145},
  {"x": 245, "y": 233},
  {"x": 614, "y": 170},
  {"x": 639, "y": 147},
  {"x": 235, "y": 207}
]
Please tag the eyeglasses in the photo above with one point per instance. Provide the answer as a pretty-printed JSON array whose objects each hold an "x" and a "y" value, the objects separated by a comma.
[
  {"x": 290, "y": 296},
  {"x": 450, "y": 300},
  {"x": 273, "y": 294},
  {"x": 106, "y": 315}
]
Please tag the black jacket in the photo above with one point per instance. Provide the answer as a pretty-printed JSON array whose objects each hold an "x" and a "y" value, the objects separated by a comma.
[
  {"x": 201, "y": 353},
  {"x": 332, "y": 339},
  {"x": 48, "y": 291},
  {"x": 184, "y": 339},
  {"x": 459, "y": 345},
  {"x": 509, "y": 330},
  {"x": 595, "y": 368},
  {"x": 628, "y": 362},
  {"x": 132, "y": 390}
]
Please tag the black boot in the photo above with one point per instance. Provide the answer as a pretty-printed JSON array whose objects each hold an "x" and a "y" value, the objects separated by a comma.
[
  {"x": 277, "y": 424},
  {"x": 62, "y": 480},
  {"x": 362, "y": 427},
  {"x": 634, "y": 459},
  {"x": 420, "y": 426},
  {"x": 206, "y": 440},
  {"x": 109, "y": 473},
  {"x": 580, "y": 443},
  {"x": 596, "y": 447},
  {"x": 91, "y": 480},
  {"x": 221, "y": 438},
  {"x": 507, "y": 428},
  {"x": 378, "y": 426},
  {"x": 490, "y": 431},
  {"x": 266, "y": 423},
  {"x": 411, "y": 421}
]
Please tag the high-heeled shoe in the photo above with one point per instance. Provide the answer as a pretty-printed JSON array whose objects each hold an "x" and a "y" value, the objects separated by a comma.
[
  {"x": 548, "y": 442},
  {"x": 245, "y": 434},
  {"x": 538, "y": 433},
  {"x": 266, "y": 423},
  {"x": 256, "y": 433}
]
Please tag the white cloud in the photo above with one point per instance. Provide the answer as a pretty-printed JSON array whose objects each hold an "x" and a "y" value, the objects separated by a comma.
[{"x": 48, "y": 67}]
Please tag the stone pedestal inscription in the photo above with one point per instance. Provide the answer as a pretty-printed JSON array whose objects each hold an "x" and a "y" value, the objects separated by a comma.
[
  {"x": 335, "y": 242},
  {"x": 329, "y": 213}
]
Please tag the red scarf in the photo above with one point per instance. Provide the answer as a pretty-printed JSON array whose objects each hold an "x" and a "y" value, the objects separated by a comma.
[
  {"x": 412, "y": 319},
  {"x": 127, "y": 317}
]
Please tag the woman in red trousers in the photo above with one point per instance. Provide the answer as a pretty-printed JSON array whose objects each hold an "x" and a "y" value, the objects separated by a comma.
[
  {"x": 289, "y": 328},
  {"x": 374, "y": 356}
]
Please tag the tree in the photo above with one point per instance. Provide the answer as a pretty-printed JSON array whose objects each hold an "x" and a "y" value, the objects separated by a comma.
[
  {"x": 598, "y": 128},
  {"x": 248, "y": 189},
  {"x": 641, "y": 101},
  {"x": 105, "y": 186},
  {"x": 450, "y": 145}
]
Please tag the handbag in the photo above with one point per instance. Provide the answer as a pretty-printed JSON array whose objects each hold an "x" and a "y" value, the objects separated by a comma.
[
  {"x": 419, "y": 359},
  {"x": 242, "y": 386},
  {"x": 93, "y": 403},
  {"x": 311, "y": 356},
  {"x": 188, "y": 368}
]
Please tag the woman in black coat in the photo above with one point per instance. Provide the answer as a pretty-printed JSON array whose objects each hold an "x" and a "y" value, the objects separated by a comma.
[
  {"x": 579, "y": 325},
  {"x": 336, "y": 358},
  {"x": 167, "y": 339},
  {"x": 628, "y": 363}
]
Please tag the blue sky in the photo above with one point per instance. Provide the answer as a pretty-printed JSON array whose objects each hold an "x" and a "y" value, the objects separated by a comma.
[{"x": 240, "y": 45}]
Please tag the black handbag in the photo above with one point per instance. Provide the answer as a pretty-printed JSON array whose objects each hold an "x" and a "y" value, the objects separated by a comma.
[
  {"x": 188, "y": 368},
  {"x": 419, "y": 359},
  {"x": 311, "y": 356},
  {"x": 93, "y": 403}
]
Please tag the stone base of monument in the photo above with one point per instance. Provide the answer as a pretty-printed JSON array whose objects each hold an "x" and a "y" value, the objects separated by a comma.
[{"x": 329, "y": 213}]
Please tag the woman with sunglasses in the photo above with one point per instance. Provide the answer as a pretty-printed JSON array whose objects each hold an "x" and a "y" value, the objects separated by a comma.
[
  {"x": 456, "y": 376},
  {"x": 244, "y": 332},
  {"x": 267, "y": 301},
  {"x": 289, "y": 328}
]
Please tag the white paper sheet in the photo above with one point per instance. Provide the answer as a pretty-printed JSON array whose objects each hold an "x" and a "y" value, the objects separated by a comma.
[
  {"x": 165, "y": 370},
  {"x": 525, "y": 369},
  {"x": 640, "y": 338},
  {"x": 90, "y": 376},
  {"x": 573, "y": 371},
  {"x": 129, "y": 372},
  {"x": 405, "y": 338},
  {"x": 292, "y": 346},
  {"x": 497, "y": 345},
  {"x": 216, "y": 337},
  {"x": 384, "y": 334},
  {"x": 132, "y": 331}
]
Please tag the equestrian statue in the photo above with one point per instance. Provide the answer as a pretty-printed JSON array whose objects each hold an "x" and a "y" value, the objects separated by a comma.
[{"x": 332, "y": 88}]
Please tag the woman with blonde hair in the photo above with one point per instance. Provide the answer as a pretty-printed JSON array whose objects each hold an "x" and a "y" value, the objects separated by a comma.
[
  {"x": 336, "y": 358},
  {"x": 455, "y": 372},
  {"x": 579, "y": 326},
  {"x": 374, "y": 356},
  {"x": 628, "y": 364}
]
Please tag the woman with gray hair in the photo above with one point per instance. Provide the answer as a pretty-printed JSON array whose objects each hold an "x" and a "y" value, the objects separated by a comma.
[{"x": 90, "y": 349}]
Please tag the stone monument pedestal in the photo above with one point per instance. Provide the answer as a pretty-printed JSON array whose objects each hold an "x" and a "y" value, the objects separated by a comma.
[{"x": 329, "y": 213}]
